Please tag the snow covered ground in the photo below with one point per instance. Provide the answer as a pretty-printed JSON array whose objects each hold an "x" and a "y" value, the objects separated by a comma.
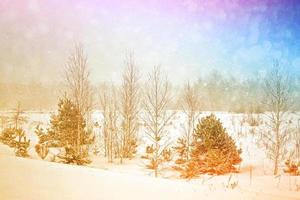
[{"x": 37, "y": 179}]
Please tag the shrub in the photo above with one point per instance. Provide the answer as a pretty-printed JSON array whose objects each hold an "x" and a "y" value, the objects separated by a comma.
[
  {"x": 71, "y": 156},
  {"x": 187, "y": 170},
  {"x": 252, "y": 120},
  {"x": 166, "y": 155},
  {"x": 292, "y": 167},
  {"x": 42, "y": 150},
  {"x": 149, "y": 154}
]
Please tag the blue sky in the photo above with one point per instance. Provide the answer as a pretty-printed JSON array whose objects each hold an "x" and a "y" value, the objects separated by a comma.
[{"x": 188, "y": 38}]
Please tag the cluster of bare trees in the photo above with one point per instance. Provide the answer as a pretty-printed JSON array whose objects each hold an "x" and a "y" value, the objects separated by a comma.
[
  {"x": 121, "y": 109},
  {"x": 126, "y": 107},
  {"x": 77, "y": 78},
  {"x": 130, "y": 108},
  {"x": 110, "y": 129}
]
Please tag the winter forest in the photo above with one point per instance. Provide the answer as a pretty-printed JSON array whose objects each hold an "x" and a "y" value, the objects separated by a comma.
[{"x": 190, "y": 99}]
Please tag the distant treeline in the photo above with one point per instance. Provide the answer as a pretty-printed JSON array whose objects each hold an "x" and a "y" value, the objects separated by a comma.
[
  {"x": 218, "y": 92},
  {"x": 31, "y": 96},
  {"x": 227, "y": 93}
]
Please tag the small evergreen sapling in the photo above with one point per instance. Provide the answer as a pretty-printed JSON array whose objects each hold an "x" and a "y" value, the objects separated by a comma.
[
  {"x": 292, "y": 167},
  {"x": 8, "y": 137},
  {"x": 15, "y": 138},
  {"x": 182, "y": 163},
  {"x": 42, "y": 147},
  {"x": 22, "y": 144}
]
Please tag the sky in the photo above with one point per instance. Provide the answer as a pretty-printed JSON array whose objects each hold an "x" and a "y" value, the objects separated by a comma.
[{"x": 187, "y": 38}]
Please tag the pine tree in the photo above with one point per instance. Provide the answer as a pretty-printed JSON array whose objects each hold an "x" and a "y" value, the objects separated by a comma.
[
  {"x": 15, "y": 136},
  {"x": 65, "y": 125},
  {"x": 65, "y": 129},
  {"x": 213, "y": 151}
]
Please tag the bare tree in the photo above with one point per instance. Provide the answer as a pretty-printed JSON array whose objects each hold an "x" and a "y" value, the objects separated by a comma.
[
  {"x": 18, "y": 119},
  {"x": 278, "y": 104},
  {"x": 296, "y": 142},
  {"x": 4, "y": 120},
  {"x": 78, "y": 84},
  {"x": 77, "y": 79},
  {"x": 190, "y": 104},
  {"x": 110, "y": 131},
  {"x": 130, "y": 108},
  {"x": 156, "y": 117}
]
